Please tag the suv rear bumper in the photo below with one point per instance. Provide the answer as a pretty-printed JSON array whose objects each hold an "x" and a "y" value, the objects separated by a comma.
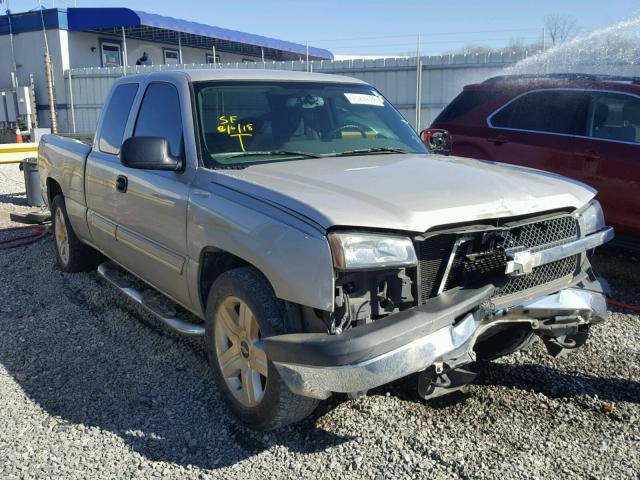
[{"x": 445, "y": 330}]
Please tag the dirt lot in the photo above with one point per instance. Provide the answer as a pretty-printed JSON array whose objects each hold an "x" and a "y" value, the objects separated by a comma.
[{"x": 92, "y": 387}]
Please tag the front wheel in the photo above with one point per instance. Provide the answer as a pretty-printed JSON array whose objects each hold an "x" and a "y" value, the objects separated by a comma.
[{"x": 241, "y": 309}]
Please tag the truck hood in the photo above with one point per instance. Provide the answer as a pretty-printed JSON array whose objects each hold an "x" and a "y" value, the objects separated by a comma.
[{"x": 404, "y": 191}]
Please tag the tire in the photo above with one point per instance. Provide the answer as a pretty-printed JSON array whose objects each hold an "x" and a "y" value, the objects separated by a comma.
[
  {"x": 504, "y": 343},
  {"x": 257, "y": 395},
  {"x": 71, "y": 254}
]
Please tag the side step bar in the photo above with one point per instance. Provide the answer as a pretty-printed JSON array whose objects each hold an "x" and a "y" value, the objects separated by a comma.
[{"x": 106, "y": 271}]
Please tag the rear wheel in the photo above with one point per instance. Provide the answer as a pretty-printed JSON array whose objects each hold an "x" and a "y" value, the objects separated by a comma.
[
  {"x": 71, "y": 254},
  {"x": 241, "y": 310}
]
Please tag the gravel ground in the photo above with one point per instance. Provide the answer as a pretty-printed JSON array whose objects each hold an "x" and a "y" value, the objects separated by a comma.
[
  {"x": 13, "y": 198},
  {"x": 92, "y": 387}
]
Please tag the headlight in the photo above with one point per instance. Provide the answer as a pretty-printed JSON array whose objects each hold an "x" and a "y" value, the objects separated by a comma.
[
  {"x": 592, "y": 218},
  {"x": 369, "y": 250}
]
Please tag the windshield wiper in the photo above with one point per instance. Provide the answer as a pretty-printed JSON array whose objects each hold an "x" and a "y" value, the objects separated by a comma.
[
  {"x": 362, "y": 151},
  {"x": 290, "y": 153}
]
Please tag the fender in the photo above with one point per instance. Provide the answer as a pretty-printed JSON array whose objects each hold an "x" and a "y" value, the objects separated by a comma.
[{"x": 291, "y": 251}]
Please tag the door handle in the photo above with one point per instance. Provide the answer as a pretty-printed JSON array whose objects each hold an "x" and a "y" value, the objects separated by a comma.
[
  {"x": 121, "y": 183},
  {"x": 499, "y": 140},
  {"x": 200, "y": 193}
]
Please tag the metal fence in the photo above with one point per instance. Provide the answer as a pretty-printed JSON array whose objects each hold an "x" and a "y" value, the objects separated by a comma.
[{"x": 440, "y": 79}]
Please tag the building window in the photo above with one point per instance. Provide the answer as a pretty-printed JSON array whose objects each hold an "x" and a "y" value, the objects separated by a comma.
[
  {"x": 111, "y": 56},
  {"x": 171, "y": 56},
  {"x": 210, "y": 58},
  {"x": 248, "y": 60}
]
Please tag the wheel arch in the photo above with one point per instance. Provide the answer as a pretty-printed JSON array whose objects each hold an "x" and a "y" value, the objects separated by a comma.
[
  {"x": 214, "y": 262},
  {"x": 53, "y": 189}
]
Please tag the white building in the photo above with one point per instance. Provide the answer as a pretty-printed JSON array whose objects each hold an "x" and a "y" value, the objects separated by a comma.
[{"x": 115, "y": 37}]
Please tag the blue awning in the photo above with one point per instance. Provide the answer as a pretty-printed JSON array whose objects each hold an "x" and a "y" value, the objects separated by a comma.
[{"x": 86, "y": 19}]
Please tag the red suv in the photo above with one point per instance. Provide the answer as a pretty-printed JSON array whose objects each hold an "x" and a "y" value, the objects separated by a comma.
[{"x": 583, "y": 126}]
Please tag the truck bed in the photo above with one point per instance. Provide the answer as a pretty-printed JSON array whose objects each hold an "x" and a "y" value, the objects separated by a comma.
[{"x": 63, "y": 159}]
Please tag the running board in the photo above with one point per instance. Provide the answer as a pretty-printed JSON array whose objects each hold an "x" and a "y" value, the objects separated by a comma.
[{"x": 107, "y": 269}]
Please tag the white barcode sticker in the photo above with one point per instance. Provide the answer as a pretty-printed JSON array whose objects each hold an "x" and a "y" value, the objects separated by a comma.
[{"x": 364, "y": 99}]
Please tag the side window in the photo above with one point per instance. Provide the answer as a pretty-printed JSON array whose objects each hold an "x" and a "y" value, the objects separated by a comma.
[
  {"x": 115, "y": 118},
  {"x": 615, "y": 116},
  {"x": 160, "y": 116},
  {"x": 552, "y": 111},
  {"x": 464, "y": 103}
]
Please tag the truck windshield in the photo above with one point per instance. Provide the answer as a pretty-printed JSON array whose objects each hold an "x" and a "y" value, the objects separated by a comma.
[{"x": 251, "y": 122}]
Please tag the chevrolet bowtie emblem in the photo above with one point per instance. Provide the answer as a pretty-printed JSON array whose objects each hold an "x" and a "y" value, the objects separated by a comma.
[{"x": 520, "y": 263}]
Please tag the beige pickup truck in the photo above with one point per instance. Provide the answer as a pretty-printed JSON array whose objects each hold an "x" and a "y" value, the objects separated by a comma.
[{"x": 308, "y": 234}]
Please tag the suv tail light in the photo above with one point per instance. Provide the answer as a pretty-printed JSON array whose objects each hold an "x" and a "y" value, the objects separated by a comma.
[{"x": 437, "y": 140}]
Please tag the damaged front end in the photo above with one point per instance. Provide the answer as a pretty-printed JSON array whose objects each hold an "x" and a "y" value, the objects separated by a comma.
[
  {"x": 429, "y": 308},
  {"x": 440, "y": 334}
]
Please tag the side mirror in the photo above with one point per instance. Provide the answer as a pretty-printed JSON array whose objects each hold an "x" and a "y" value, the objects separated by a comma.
[
  {"x": 149, "y": 153},
  {"x": 436, "y": 140}
]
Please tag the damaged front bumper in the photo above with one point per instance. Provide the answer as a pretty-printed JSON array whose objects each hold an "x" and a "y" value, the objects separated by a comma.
[{"x": 442, "y": 331}]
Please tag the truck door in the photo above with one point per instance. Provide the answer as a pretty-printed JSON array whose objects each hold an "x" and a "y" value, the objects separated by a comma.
[
  {"x": 151, "y": 205},
  {"x": 103, "y": 165}
]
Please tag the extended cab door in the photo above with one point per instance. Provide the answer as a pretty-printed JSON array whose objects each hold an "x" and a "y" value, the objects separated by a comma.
[
  {"x": 103, "y": 166},
  {"x": 151, "y": 205}
]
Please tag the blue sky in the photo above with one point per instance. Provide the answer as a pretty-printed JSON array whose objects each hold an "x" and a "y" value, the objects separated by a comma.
[{"x": 380, "y": 27}]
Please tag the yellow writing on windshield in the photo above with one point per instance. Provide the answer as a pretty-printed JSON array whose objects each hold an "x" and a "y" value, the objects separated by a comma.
[{"x": 233, "y": 128}]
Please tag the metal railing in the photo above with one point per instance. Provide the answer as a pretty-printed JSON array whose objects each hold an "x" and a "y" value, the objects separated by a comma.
[{"x": 436, "y": 81}]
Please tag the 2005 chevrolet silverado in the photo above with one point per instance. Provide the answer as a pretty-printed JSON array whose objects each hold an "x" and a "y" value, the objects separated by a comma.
[{"x": 317, "y": 244}]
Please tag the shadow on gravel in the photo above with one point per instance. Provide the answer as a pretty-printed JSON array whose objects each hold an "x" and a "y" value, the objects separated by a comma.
[
  {"x": 548, "y": 381},
  {"x": 556, "y": 384},
  {"x": 19, "y": 198},
  {"x": 77, "y": 355},
  {"x": 169, "y": 414}
]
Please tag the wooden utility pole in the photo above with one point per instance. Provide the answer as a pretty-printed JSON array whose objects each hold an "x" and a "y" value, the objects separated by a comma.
[
  {"x": 52, "y": 101},
  {"x": 418, "y": 86}
]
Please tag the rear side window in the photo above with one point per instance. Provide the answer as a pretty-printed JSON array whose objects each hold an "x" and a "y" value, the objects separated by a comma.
[
  {"x": 464, "y": 103},
  {"x": 160, "y": 116},
  {"x": 115, "y": 118},
  {"x": 552, "y": 111},
  {"x": 615, "y": 116}
]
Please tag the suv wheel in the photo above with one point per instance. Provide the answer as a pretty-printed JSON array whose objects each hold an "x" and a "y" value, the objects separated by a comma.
[{"x": 241, "y": 309}]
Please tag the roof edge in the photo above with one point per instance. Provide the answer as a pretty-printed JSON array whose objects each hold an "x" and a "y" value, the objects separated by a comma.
[
  {"x": 54, "y": 18},
  {"x": 82, "y": 19}
]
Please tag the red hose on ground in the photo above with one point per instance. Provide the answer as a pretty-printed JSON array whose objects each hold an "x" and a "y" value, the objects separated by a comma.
[
  {"x": 626, "y": 306},
  {"x": 36, "y": 233}
]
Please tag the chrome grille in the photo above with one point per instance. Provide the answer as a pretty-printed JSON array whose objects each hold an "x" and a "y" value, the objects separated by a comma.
[
  {"x": 482, "y": 258},
  {"x": 539, "y": 276},
  {"x": 544, "y": 234}
]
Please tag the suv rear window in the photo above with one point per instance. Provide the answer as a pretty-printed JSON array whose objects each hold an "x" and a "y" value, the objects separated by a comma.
[
  {"x": 465, "y": 102},
  {"x": 615, "y": 116},
  {"x": 115, "y": 118},
  {"x": 552, "y": 111}
]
